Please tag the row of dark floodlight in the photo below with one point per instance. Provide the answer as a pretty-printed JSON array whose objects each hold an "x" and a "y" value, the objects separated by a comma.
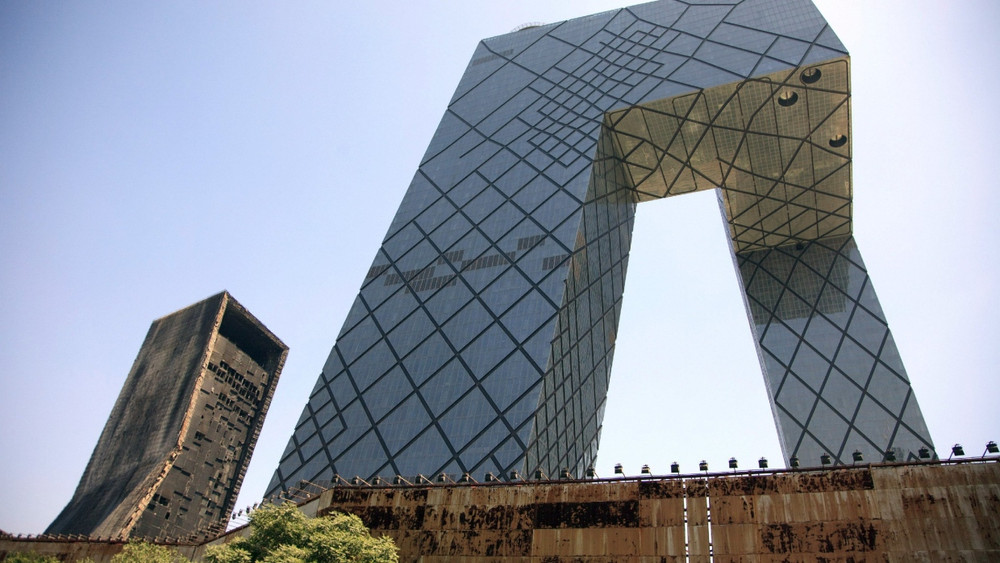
[
  {"x": 825, "y": 459},
  {"x": 675, "y": 468}
]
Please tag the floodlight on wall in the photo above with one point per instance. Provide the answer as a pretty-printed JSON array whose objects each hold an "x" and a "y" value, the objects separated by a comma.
[
  {"x": 400, "y": 481},
  {"x": 703, "y": 466},
  {"x": 443, "y": 478},
  {"x": 565, "y": 474},
  {"x": 466, "y": 478},
  {"x": 591, "y": 472},
  {"x": 490, "y": 477},
  {"x": 991, "y": 447},
  {"x": 619, "y": 470},
  {"x": 924, "y": 453},
  {"x": 857, "y": 456},
  {"x": 539, "y": 475},
  {"x": 890, "y": 455},
  {"x": 732, "y": 463},
  {"x": 825, "y": 459},
  {"x": 645, "y": 470},
  {"x": 378, "y": 481},
  {"x": 793, "y": 461},
  {"x": 957, "y": 449},
  {"x": 675, "y": 467},
  {"x": 515, "y": 476},
  {"x": 762, "y": 463}
]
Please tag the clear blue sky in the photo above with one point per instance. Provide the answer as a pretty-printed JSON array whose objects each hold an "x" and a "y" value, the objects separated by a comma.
[{"x": 153, "y": 154}]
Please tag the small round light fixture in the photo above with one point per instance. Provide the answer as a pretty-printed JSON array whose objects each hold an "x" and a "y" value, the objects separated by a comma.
[
  {"x": 787, "y": 98},
  {"x": 838, "y": 141},
  {"x": 810, "y": 76}
]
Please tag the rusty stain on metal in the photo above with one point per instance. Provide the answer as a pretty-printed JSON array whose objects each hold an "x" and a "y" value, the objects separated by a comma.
[{"x": 871, "y": 513}]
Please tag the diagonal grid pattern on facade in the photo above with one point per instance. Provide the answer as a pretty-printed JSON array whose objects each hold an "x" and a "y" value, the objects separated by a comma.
[{"x": 483, "y": 335}]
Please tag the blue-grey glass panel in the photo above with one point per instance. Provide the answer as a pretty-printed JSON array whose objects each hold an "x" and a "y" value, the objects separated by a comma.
[
  {"x": 506, "y": 260},
  {"x": 832, "y": 368}
]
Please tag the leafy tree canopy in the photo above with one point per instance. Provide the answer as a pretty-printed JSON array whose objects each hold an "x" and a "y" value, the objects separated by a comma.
[
  {"x": 283, "y": 534},
  {"x": 143, "y": 552}
]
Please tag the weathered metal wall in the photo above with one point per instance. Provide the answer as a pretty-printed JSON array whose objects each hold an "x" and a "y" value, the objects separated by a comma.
[
  {"x": 886, "y": 513},
  {"x": 883, "y": 513},
  {"x": 96, "y": 551}
]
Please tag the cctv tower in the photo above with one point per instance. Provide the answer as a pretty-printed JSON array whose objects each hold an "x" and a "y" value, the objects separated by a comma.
[{"x": 483, "y": 333}]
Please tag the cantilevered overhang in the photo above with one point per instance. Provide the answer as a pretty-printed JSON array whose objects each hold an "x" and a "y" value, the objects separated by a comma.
[{"x": 778, "y": 146}]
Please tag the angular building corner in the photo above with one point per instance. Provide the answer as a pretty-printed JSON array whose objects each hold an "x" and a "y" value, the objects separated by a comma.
[
  {"x": 483, "y": 334},
  {"x": 172, "y": 456}
]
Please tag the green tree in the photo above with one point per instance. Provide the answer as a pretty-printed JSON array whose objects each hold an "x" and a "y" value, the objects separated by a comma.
[
  {"x": 143, "y": 552},
  {"x": 283, "y": 534}
]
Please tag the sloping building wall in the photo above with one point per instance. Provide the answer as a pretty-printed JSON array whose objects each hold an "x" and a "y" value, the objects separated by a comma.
[
  {"x": 482, "y": 337},
  {"x": 173, "y": 453},
  {"x": 143, "y": 428}
]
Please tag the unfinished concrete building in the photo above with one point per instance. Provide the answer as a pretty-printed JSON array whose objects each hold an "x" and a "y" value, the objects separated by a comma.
[{"x": 174, "y": 451}]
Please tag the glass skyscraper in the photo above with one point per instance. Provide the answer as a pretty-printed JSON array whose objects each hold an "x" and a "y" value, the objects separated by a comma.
[{"x": 483, "y": 334}]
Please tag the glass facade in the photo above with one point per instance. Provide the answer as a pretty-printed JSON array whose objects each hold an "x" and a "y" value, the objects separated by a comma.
[{"x": 483, "y": 334}]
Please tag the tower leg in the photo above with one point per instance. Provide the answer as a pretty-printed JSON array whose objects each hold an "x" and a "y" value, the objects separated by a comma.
[{"x": 834, "y": 376}]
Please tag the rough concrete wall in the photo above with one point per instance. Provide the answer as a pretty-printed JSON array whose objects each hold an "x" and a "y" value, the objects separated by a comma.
[
  {"x": 904, "y": 513},
  {"x": 199, "y": 491},
  {"x": 144, "y": 426},
  {"x": 172, "y": 456}
]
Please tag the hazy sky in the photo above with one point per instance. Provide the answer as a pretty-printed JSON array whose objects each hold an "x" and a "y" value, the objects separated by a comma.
[{"x": 154, "y": 153}]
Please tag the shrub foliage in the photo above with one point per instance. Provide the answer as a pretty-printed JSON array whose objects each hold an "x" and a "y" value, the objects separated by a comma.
[{"x": 283, "y": 534}]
